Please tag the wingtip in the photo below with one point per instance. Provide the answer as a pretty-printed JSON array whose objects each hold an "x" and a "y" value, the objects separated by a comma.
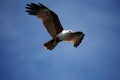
[{"x": 76, "y": 44}]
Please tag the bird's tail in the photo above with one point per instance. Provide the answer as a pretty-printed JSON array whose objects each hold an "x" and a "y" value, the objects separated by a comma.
[{"x": 51, "y": 44}]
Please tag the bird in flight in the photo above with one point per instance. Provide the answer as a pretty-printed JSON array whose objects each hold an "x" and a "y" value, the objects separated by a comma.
[{"x": 53, "y": 26}]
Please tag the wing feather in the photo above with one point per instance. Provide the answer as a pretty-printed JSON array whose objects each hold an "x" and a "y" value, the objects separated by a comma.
[
  {"x": 49, "y": 18},
  {"x": 76, "y": 38}
]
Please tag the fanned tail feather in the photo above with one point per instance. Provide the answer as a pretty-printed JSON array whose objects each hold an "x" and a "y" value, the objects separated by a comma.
[{"x": 51, "y": 44}]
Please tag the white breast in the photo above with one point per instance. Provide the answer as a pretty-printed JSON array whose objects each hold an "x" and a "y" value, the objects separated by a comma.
[{"x": 64, "y": 34}]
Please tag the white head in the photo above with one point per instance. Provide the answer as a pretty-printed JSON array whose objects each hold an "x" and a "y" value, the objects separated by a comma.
[
  {"x": 66, "y": 31},
  {"x": 64, "y": 34}
]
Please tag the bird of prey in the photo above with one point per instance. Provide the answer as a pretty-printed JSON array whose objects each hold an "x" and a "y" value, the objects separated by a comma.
[{"x": 53, "y": 26}]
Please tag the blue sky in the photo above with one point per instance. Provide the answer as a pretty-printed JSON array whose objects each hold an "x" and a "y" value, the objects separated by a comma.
[{"x": 23, "y": 57}]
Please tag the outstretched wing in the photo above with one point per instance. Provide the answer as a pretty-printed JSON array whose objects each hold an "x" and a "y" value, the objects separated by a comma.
[
  {"x": 76, "y": 38},
  {"x": 49, "y": 18}
]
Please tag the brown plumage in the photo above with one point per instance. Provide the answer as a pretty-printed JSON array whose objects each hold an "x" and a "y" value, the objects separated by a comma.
[
  {"x": 53, "y": 26},
  {"x": 49, "y": 18}
]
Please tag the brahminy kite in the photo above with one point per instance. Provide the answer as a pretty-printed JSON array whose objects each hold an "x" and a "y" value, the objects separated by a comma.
[{"x": 53, "y": 26}]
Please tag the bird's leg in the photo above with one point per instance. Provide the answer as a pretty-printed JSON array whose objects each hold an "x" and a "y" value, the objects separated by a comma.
[
  {"x": 55, "y": 40},
  {"x": 54, "y": 43}
]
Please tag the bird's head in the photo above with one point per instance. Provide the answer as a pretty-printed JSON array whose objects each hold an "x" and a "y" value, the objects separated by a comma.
[
  {"x": 67, "y": 31},
  {"x": 70, "y": 31}
]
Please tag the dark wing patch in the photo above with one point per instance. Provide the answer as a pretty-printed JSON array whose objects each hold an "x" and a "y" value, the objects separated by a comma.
[
  {"x": 76, "y": 38},
  {"x": 49, "y": 18}
]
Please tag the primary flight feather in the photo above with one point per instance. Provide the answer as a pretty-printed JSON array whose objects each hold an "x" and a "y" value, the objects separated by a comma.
[{"x": 53, "y": 26}]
